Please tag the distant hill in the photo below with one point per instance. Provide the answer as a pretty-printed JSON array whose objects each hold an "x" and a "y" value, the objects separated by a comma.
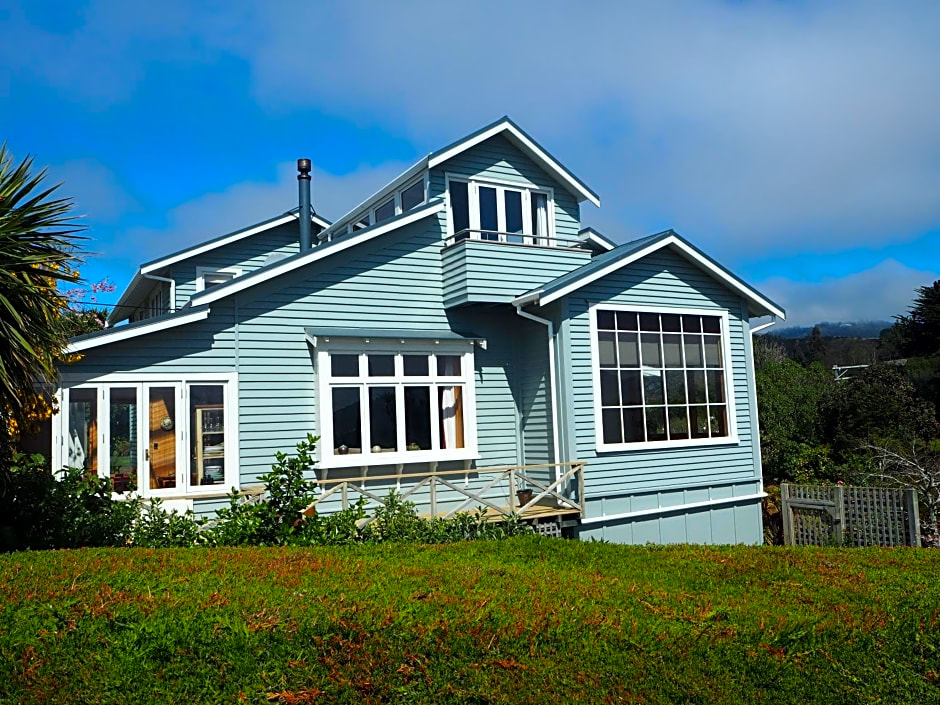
[{"x": 856, "y": 329}]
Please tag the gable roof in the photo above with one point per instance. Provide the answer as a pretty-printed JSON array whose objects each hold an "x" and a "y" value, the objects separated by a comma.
[
  {"x": 515, "y": 134},
  {"x": 621, "y": 256},
  {"x": 323, "y": 250},
  {"x": 124, "y": 306}
]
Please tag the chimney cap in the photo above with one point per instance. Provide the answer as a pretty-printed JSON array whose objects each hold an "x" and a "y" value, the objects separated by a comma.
[{"x": 303, "y": 166}]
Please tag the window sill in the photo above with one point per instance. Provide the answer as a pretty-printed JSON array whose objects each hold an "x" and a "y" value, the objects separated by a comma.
[
  {"x": 407, "y": 458},
  {"x": 209, "y": 492},
  {"x": 607, "y": 448}
]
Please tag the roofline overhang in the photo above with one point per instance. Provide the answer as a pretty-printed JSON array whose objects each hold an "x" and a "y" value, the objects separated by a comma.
[
  {"x": 134, "y": 330},
  {"x": 670, "y": 240}
]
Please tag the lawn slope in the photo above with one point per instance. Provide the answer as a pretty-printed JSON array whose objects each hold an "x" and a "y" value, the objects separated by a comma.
[{"x": 520, "y": 621}]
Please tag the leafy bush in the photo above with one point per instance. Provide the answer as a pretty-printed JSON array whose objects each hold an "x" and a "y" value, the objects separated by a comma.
[{"x": 40, "y": 510}]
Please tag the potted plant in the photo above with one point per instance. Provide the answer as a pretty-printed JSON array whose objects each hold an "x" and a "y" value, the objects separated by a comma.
[{"x": 524, "y": 496}]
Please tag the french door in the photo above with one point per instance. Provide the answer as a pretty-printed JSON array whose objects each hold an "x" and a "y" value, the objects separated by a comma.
[{"x": 164, "y": 449}]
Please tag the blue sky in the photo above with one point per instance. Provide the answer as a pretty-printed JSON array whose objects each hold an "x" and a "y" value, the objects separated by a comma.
[{"x": 795, "y": 142}]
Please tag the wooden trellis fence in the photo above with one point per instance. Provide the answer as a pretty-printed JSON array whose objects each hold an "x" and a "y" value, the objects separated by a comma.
[{"x": 817, "y": 515}]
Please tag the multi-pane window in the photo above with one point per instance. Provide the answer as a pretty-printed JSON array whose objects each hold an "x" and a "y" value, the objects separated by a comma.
[
  {"x": 401, "y": 201},
  {"x": 498, "y": 212},
  {"x": 401, "y": 406},
  {"x": 661, "y": 377}
]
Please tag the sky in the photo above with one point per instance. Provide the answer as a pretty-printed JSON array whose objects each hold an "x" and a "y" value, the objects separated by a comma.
[{"x": 795, "y": 142}]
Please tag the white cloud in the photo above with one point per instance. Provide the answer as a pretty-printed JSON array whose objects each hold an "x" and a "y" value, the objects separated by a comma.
[
  {"x": 96, "y": 192},
  {"x": 873, "y": 294}
]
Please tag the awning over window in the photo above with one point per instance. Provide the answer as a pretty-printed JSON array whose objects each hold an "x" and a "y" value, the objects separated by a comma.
[{"x": 316, "y": 335}]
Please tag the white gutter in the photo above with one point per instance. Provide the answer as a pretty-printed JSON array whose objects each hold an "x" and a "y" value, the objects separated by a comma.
[
  {"x": 762, "y": 326},
  {"x": 169, "y": 281},
  {"x": 551, "y": 382}
]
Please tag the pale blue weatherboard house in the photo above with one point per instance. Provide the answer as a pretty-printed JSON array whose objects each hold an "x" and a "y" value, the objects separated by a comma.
[{"x": 457, "y": 321}]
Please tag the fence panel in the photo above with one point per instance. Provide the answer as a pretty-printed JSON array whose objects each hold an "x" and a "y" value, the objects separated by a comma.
[{"x": 817, "y": 515}]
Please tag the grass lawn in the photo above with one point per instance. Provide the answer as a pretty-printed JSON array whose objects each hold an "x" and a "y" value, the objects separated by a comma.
[{"x": 521, "y": 621}]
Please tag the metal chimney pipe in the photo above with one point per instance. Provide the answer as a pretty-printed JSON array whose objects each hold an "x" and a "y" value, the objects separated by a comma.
[{"x": 303, "y": 188}]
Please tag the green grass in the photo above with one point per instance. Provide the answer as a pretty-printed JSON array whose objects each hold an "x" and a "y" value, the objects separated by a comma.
[{"x": 520, "y": 621}]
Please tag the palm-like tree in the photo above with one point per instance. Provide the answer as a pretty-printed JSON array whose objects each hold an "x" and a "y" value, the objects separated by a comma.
[{"x": 38, "y": 249}]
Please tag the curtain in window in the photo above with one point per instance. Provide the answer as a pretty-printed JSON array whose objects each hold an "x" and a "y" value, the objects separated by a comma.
[
  {"x": 451, "y": 401},
  {"x": 539, "y": 216}
]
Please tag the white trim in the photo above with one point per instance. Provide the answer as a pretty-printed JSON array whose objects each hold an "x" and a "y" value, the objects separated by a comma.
[
  {"x": 674, "y": 508},
  {"x": 527, "y": 145},
  {"x": 526, "y": 189},
  {"x": 317, "y": 253},
  {"x": 325, "y": 382},
  {"x": 209, "y": 246},
  {"x": 762, "y": 326},
  {"x": 590, "y": 235},
  {"x": 141, "y": 382},
  {"x": 688, "y": 252},
  {"x": 137, "y": 329},
  {"x": 727, "y": 368},
  {"x": 201, "y": 273}
]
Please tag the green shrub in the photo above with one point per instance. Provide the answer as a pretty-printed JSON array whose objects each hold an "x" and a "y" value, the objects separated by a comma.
[{"x": 155, "y": 527}]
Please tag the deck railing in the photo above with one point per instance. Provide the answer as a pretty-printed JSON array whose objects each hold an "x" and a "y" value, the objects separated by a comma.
[
  {"x": 497, "y": 494},
  {"x": 499, "y": 237}
]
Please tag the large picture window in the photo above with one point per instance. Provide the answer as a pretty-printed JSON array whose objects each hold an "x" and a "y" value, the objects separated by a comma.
[
  {"x": 396, "y": 406},
  {"x": 661, "y": 378}
]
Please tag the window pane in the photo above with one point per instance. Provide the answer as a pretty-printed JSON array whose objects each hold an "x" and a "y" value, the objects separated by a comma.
[
  {"x": 83, "y": 430},
  {"x": 670, "y": 322},
  {"x": 412, "y": 196},
  {"x": 363, "y": 222},
  {"x": 383, "y": 423},
  {"x": 653, "y": 387},
  {"x": 381, "y": 365},
  {"x": 613, "y": 433},
  {"x": 124, "y": 439},
  {"x": 162, "y": 438},
  {"x": 632, "y": 425},
  {"x": 459, "y": 206},
  {"x": 207, "y": 438},
  {"x": 693, "y": 351},
  {"x": 606, "y": 349},
  {"x": 675, "y": 387},
  {"x": 651, "y": 352},
  {"x": 719, "y": 420},
  {"x": 450, "y": 403},
  {"x": 692, "y": 324},
  {"x": 344, "y": 365},
  {"x": 416, "y": 365},
  {"x": 417, "y": 418},
  {"x": 649, "y": 321},
  {"x": 696, "y": 380},
  {"x": 716, "y": 386},
  {"x": 672, "y": 350},
  {"x": 610, "y": 388},
  {"x": 347, "y": 424},
  {"x": 210, "y": 279},
  {"x": 539, "y": 204},
  {"x": 678, "y": 423},
  {"x": 712, "y": 351},
  {"x": 488, "y": 217},
  {"x": 605, "y": 320},
  {"x": 626, "y": 321},
  {"x": 448, "y": 365},
  {"x": 698, "y": 416},
  {"x": 711, "y": 324},
  {"x": 629, "y": 350},
  {"x": 656, "y": 423},
  {"x": 513, "y": 204},
  {"x": 630, "y": 388},
  {"x": 385, "y": 211}
]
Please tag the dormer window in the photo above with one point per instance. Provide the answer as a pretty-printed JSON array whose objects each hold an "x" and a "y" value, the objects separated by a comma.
[
  {"x": 498, "y": 212},
  {"x": 404, "y": 199},
  {"x": 207, "y": 278}
]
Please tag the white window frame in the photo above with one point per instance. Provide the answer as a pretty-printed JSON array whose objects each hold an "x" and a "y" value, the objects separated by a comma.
[
  {"x": 473, "y": 196},
  {"x": 370, "y": 211},
  {"x": 141, "y": 382},
  {"x": 201, "y": 273},
  {"x": 326, "y": 382},
  {"x": 727, "y": 367}
]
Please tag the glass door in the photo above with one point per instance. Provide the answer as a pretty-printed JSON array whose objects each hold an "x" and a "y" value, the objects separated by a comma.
[
  {"x": 123, "y": 440},
  {"x": 163, "y": 446}
]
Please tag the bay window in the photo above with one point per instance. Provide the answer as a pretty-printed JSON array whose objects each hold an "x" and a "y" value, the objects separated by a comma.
[
  {"x": 498, "y": 212},
  {"x": 661, "y": 378},
  {"x": 164, "y": 437},
  {"x": 391, "y": 406}
]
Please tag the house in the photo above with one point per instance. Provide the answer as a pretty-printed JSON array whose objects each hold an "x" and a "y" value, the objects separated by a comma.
[{"x": 457, "y": 324}]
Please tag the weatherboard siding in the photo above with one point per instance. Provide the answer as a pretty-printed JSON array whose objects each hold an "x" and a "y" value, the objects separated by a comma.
[
  {"x": 497, "y": 159},
  {"x": 477, "y": 271},
  {"x": 614, "y": 480}
]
